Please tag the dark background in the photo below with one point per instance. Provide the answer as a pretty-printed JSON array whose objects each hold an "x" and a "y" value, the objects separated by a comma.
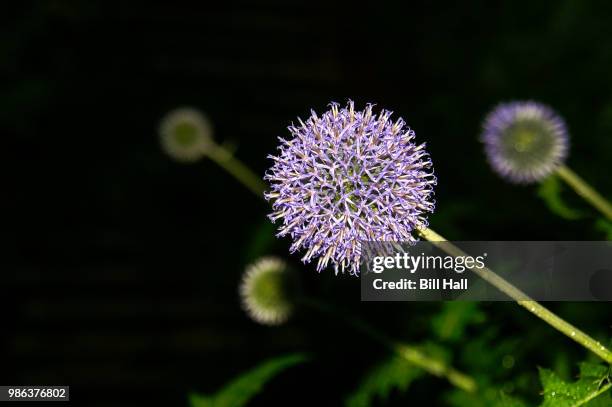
[{"x": 121, "y": 266}]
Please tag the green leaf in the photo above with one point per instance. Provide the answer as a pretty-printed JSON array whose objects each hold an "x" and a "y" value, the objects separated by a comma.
[
  {"x": 489, "y": 397},
  {"x": 550, "y": 192},
  {"x": 450, "y": 324},
  {"x": 393, "y": 374},
  {"x": 591, "y": 389},
  {"x": 200, "y": 401},
  {"x": 239, "y": 391},
  {"x": 604, "y": 226},
  {"x": 508, "y": 401}
]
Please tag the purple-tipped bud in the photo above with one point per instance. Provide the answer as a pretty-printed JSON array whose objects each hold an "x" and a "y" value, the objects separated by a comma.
[
  {"x": 346, "y": 176},
  {"x": 524, "y": 141}
]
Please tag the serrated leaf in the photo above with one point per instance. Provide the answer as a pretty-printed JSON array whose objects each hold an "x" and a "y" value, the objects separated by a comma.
[
  {"x": 451, "y": 322},
  {"x": 550, "y": 192},
  {"x": 591, "y": 389},
  {"x": 239, "y": 391},
  {"x": 393, "y": 374}
]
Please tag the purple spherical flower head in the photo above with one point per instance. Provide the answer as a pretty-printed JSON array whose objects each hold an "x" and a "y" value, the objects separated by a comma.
[
  {"x": 349, "y": 176},
  {"x": 524, "y": 141}
]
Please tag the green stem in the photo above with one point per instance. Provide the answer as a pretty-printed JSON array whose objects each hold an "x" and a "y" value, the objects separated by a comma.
[
  {"x": 593, "y": 395},
  {"x": 585, "y": 191},
  {"x": 235, "y": 167},
  {"x": 523, "y": 299},
  {"x": 249, "y": 179},
  {"x": 408, "y": 353}
]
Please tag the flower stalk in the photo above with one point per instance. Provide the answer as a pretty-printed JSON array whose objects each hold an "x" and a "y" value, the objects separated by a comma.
[
  {"x": 583, "y": 189},
  {"x": 236, "y": 168},
  {"x": 523, "y": 299}
]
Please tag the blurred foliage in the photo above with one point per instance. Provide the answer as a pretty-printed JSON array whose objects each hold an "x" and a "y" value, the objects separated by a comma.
[
  {"x": 604, "y": 226},
  {"x": 394, "y": 374},
  {"x": 242, "y": 389},
  {"x": 489, "y": 397},
  {"x": 451, "y": 322},
  {"x": 550, "y": 191}
]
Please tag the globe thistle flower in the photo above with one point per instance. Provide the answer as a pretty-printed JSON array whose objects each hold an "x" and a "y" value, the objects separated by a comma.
[
  {"x": 268, "y": 290},
  {"x": 525, "y": 141},
  {"x": 185, "y": 134},
  {"x": 347, "y": 176}
]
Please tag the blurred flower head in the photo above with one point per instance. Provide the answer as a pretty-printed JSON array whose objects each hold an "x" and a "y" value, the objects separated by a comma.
[
  {"x": 185, "y": 134},
  {"x": 268, "y": 290},
  {"x": 347, "y": 176},
  {"x": 524, "y": 141}
]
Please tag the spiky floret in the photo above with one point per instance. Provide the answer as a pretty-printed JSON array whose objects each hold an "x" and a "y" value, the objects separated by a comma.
[
  {"x": 268, "y": 291},
  {"x": 524, "y": 141},
  {"x": 349, "y": 176},
  {"x": 185, "y": 134}
]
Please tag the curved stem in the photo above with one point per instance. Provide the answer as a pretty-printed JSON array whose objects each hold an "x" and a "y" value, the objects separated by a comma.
[
  {"x": 407, "y": 352},
  {"x": 523, "y": 299},
  {"x": 235, "y": 167},
  {"x": 585, "y": 191}
]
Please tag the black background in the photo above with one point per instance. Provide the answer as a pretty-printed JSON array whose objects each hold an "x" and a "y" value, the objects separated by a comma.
[{"x": 121, "y": 266}]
